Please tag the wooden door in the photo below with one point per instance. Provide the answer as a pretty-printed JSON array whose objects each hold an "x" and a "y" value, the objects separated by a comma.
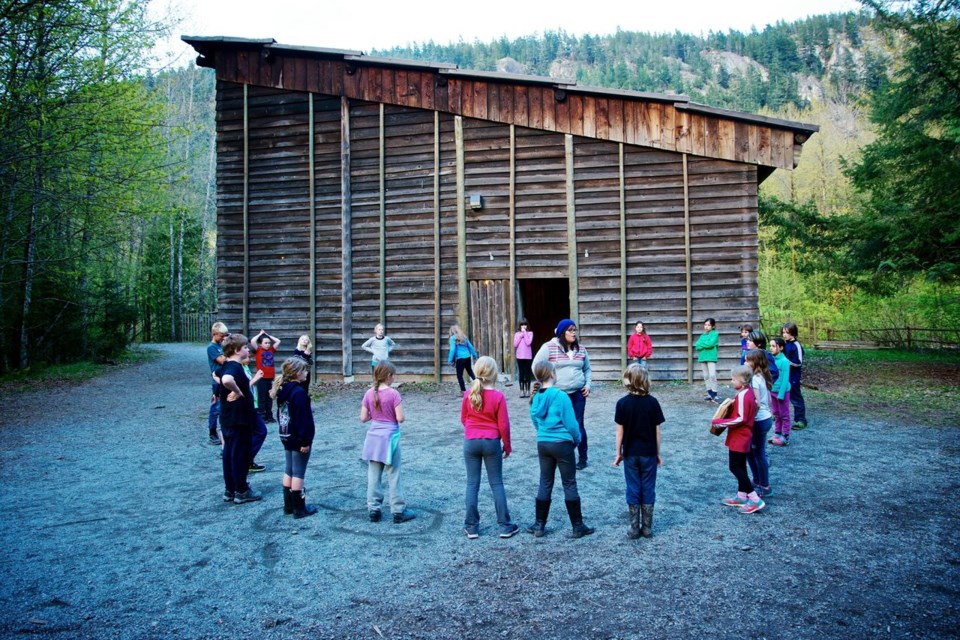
[{"x": 489, "y": 322}]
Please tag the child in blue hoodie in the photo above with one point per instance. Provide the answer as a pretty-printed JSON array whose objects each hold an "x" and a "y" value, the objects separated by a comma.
[
  {"x": 296, "y": 428},
  {"x": 558, "y": 434}
]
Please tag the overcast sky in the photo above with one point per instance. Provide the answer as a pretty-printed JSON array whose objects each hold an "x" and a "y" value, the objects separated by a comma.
[{"x": 378, "y": 24}]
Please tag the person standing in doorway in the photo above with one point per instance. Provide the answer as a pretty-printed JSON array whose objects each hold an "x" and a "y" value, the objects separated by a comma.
[
  {"x": 522, "y": 345},
  {"x": 215, "y": 360},
  {"x": 572, "y": 363}
]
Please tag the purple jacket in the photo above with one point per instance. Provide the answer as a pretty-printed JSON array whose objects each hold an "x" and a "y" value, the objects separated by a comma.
[{"x": 522, "y": 342}]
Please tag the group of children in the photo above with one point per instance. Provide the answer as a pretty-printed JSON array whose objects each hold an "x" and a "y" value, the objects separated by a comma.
[{"x": 766, "y": 383}]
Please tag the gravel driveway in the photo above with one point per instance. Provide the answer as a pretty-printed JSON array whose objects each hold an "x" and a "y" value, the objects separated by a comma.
[{"x": 113, "y": 527}]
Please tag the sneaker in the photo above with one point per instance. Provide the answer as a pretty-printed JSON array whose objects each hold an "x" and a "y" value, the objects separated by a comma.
[
  {"x": 581, "y": 465},
  {"x": 472, "y": 531},
  {"x": 509, "y": 531},
  {"x": 256, "y": 468},
  {"x": 733, "y": 502},
  {"x": 767, "y": 491},
  {"x": 752, "y": 507},
  {"x": 403, "y": 516},
  {"x": 800, "y": 426},
  {"x": 708, "y": 398},
  {"x": 228, "y": 496},
  {"x": 375, "y": 516},
  {"x": 778, "y": 441},
  {"x": 247, "y": 496},
  {"x": 214, "y": 441}
]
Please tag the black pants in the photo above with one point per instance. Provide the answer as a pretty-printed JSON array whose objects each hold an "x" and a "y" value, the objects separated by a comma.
[
  {"x": 526, "y": 371},
  {"x": 236, "y": 457},
  {"x": 738, "y": 467},
  {"x": 264, "y": 401},
  {"x": 553, "y": 456},
  {"x": 464, "y": 364}
]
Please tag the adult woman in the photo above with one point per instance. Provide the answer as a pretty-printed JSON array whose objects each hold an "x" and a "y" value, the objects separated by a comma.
[
  {"x": 522, "y": 341},
  {"x": 461, "y": 355},
  {"x": 572, "y": 364}
]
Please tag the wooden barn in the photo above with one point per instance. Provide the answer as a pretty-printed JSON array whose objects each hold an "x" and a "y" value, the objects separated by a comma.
[{"x": 354, "y": 190}]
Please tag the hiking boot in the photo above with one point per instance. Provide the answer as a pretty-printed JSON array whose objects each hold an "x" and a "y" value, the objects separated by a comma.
[
  {"x": 509, "y": 531},
  {"x": 634, "y": 531},
  {"x": 247, "y": 496},
  {"x": 403, "y": 516},
  {"x": 751, "y": 506},
  {"x": 256, "y": 468},
  {"x": 646, "y": 512},
  {"x": 472, "y": 531},
  {"x": 375, "y": 515}
]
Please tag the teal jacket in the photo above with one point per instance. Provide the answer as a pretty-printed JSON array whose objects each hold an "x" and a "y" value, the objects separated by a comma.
[
  {"x": 782, "y": 384},
  {"x": 707, "y": 346},
  {"x": 553, "y": 417}
]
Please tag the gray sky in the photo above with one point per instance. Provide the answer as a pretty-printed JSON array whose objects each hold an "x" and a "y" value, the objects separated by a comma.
[{"x": 367, "y": 24}]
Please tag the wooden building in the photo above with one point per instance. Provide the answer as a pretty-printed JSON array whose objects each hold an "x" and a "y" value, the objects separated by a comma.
[{"x": 355, "y": 189}]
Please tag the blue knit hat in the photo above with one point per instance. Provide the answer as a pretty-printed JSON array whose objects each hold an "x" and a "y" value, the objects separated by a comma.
[{"x": 565, "y": 324}]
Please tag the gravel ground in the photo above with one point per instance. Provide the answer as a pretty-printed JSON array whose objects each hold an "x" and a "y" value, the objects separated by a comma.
[{"x": 113, "y": 527}]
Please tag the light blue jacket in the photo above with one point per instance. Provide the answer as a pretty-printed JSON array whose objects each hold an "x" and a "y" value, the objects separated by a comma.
[
  {"x": 553, "y": 417},
  {"x": 461, "y": 350}
]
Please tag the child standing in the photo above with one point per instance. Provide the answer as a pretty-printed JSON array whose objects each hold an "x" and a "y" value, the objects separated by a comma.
[
  {"x": 757, "y": 458},
  {"x": 461, "y": 355},
  {"x": 304, "y": 351},
  {"x": 745, "y": 330},
  {"x": 379, "y": 346},
  {"x": 639, "y": 346},
  {"x": 739, "y": 433},
  {"x": 707, "y": 355},
  {"x": 780, "y": 396},
  {"x": 758, "y": 340},
  {"x": 259, "y": 433},
  {"x": 266, "y": 346},
  {"x": 638, "y": 418},
  {"x": 381, "y": 448},
  {"x": 215, "y": 360},
  {"x": 523, "y": 348},
  {"x": 558, "y": 434},
  {"x": 237, "y": 417},
  {"x": 486, "y": 423},
  {"x": 296, "y": 434},
  {"x": 794, "y": 353}
]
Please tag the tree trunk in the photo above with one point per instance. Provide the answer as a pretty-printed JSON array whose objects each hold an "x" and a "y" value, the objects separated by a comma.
[{"x": 30, "y": 252}]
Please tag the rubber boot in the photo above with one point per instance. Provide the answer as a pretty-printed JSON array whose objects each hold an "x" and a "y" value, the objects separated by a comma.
[
  {"x": 634, "y": 531},
  {"x": 647, "y": 512},
  {"x": 539, "y": 528},
  {"x": 287, "y": 501},
  {"x": 576, "y": 519},
  {"x": 300, "y": 508}
]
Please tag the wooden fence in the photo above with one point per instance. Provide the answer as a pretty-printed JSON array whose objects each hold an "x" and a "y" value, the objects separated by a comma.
[{"x": 814, "y": 331}]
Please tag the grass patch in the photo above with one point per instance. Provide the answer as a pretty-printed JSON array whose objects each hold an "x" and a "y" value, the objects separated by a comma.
[
  {"x": 895, "y": 385},
  {"x": 43, "y": 374}
]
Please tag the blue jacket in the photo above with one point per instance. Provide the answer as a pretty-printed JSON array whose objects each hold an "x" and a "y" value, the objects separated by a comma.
[
  {"x": 553, "y": 417},
  {"x": 794, "y": 353},
  {"x": 458, "y": 351},
  {"x": 782, "y": 384}
]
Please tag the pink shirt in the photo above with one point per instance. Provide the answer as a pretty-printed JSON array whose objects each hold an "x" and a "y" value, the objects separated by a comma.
[
  {"x": 522, "y": 342},
  {"x": 492, "y": 421},
  {"x": 389, "y": 401}
]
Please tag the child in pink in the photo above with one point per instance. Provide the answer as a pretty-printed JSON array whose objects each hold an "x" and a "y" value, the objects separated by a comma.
[{"x": 739, "y": 435}]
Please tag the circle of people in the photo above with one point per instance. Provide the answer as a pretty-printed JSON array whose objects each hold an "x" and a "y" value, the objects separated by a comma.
[{"x": 557, "y": 381}]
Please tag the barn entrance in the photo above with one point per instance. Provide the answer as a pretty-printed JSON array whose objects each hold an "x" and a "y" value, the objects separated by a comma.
[{"x": 543, "y": 302}]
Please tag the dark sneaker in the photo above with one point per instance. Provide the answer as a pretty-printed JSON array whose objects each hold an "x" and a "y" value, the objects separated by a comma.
[
  {"x": 256, "y": 468},
  {"x": 472, "y": 531},
  {"x": 581, "y": 465},
  {"x": 403, "y": 516},
  {"x": 228, "y": 496},
  {"x": 247, "y": 496},
  {"x": 509, "y": 531},
  {"x": 375, "y": 516},
  {"x": 214, "y": 441}
]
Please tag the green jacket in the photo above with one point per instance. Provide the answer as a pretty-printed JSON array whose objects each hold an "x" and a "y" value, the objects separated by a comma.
[{"x": 707, "y": 346}]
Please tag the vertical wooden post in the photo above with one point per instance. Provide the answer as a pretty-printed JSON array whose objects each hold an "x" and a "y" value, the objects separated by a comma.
[
  {"x": 383, "y": 222},
  {"x": 509, "y": 356},
  {"x": 463, "y": 310},
  {"x": 574, "y": 272},
  {"x": 623, "y": 261},
  {"x": 346, "y": 240},
  {"x": 246, "y": 213},
  {"x": 313, "y": 234},
  {"x": 437, "y": 329},
  {"x": 686, "y": 255}
]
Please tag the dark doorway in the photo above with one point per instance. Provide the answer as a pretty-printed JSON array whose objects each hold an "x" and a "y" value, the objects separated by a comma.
[{"x": 544, "y": 302}]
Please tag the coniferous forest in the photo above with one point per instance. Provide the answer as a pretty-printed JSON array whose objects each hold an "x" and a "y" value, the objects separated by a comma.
[{"x": 107, "y": 165}]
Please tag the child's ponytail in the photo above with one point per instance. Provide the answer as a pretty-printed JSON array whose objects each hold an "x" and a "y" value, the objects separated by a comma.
[
  {"x": 381, "y": 373},
  {"x": 486, "y": 371},
  {"x": 543, "y": 371}
]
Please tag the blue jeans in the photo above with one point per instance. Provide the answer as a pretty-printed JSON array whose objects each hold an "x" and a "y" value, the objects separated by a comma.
[
  {"x": 257, "y": 436},
  {"x": 214, "y": 409},
  {"x": 640, "y": 472},
  {"x": 295, "y": 463},
  {"x": 799, "y": 406},
  {"x": 489, "y": 453},
  {"x": 553, "y": 456},
  {"x": 757, "y": 458},
  {"x": 579, "y": 404}
]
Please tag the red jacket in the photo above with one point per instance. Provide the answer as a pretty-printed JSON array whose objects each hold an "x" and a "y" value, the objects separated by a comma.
[
  {"x": 740, "y": 423},
  {"x": 639, "y": 346}
]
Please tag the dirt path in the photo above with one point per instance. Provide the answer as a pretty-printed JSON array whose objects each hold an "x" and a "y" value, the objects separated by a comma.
[{"x": 113, "y": 527}]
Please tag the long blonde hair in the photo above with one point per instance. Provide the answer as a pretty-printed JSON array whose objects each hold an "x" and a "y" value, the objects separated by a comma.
[
  {"x": 381, "y": 373},
  {"x": 487, "y": 371},
  {"x": 458, "y": 333},
  {"x": 304, "y": 344},
  {"x": 292, "y": 369}
]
